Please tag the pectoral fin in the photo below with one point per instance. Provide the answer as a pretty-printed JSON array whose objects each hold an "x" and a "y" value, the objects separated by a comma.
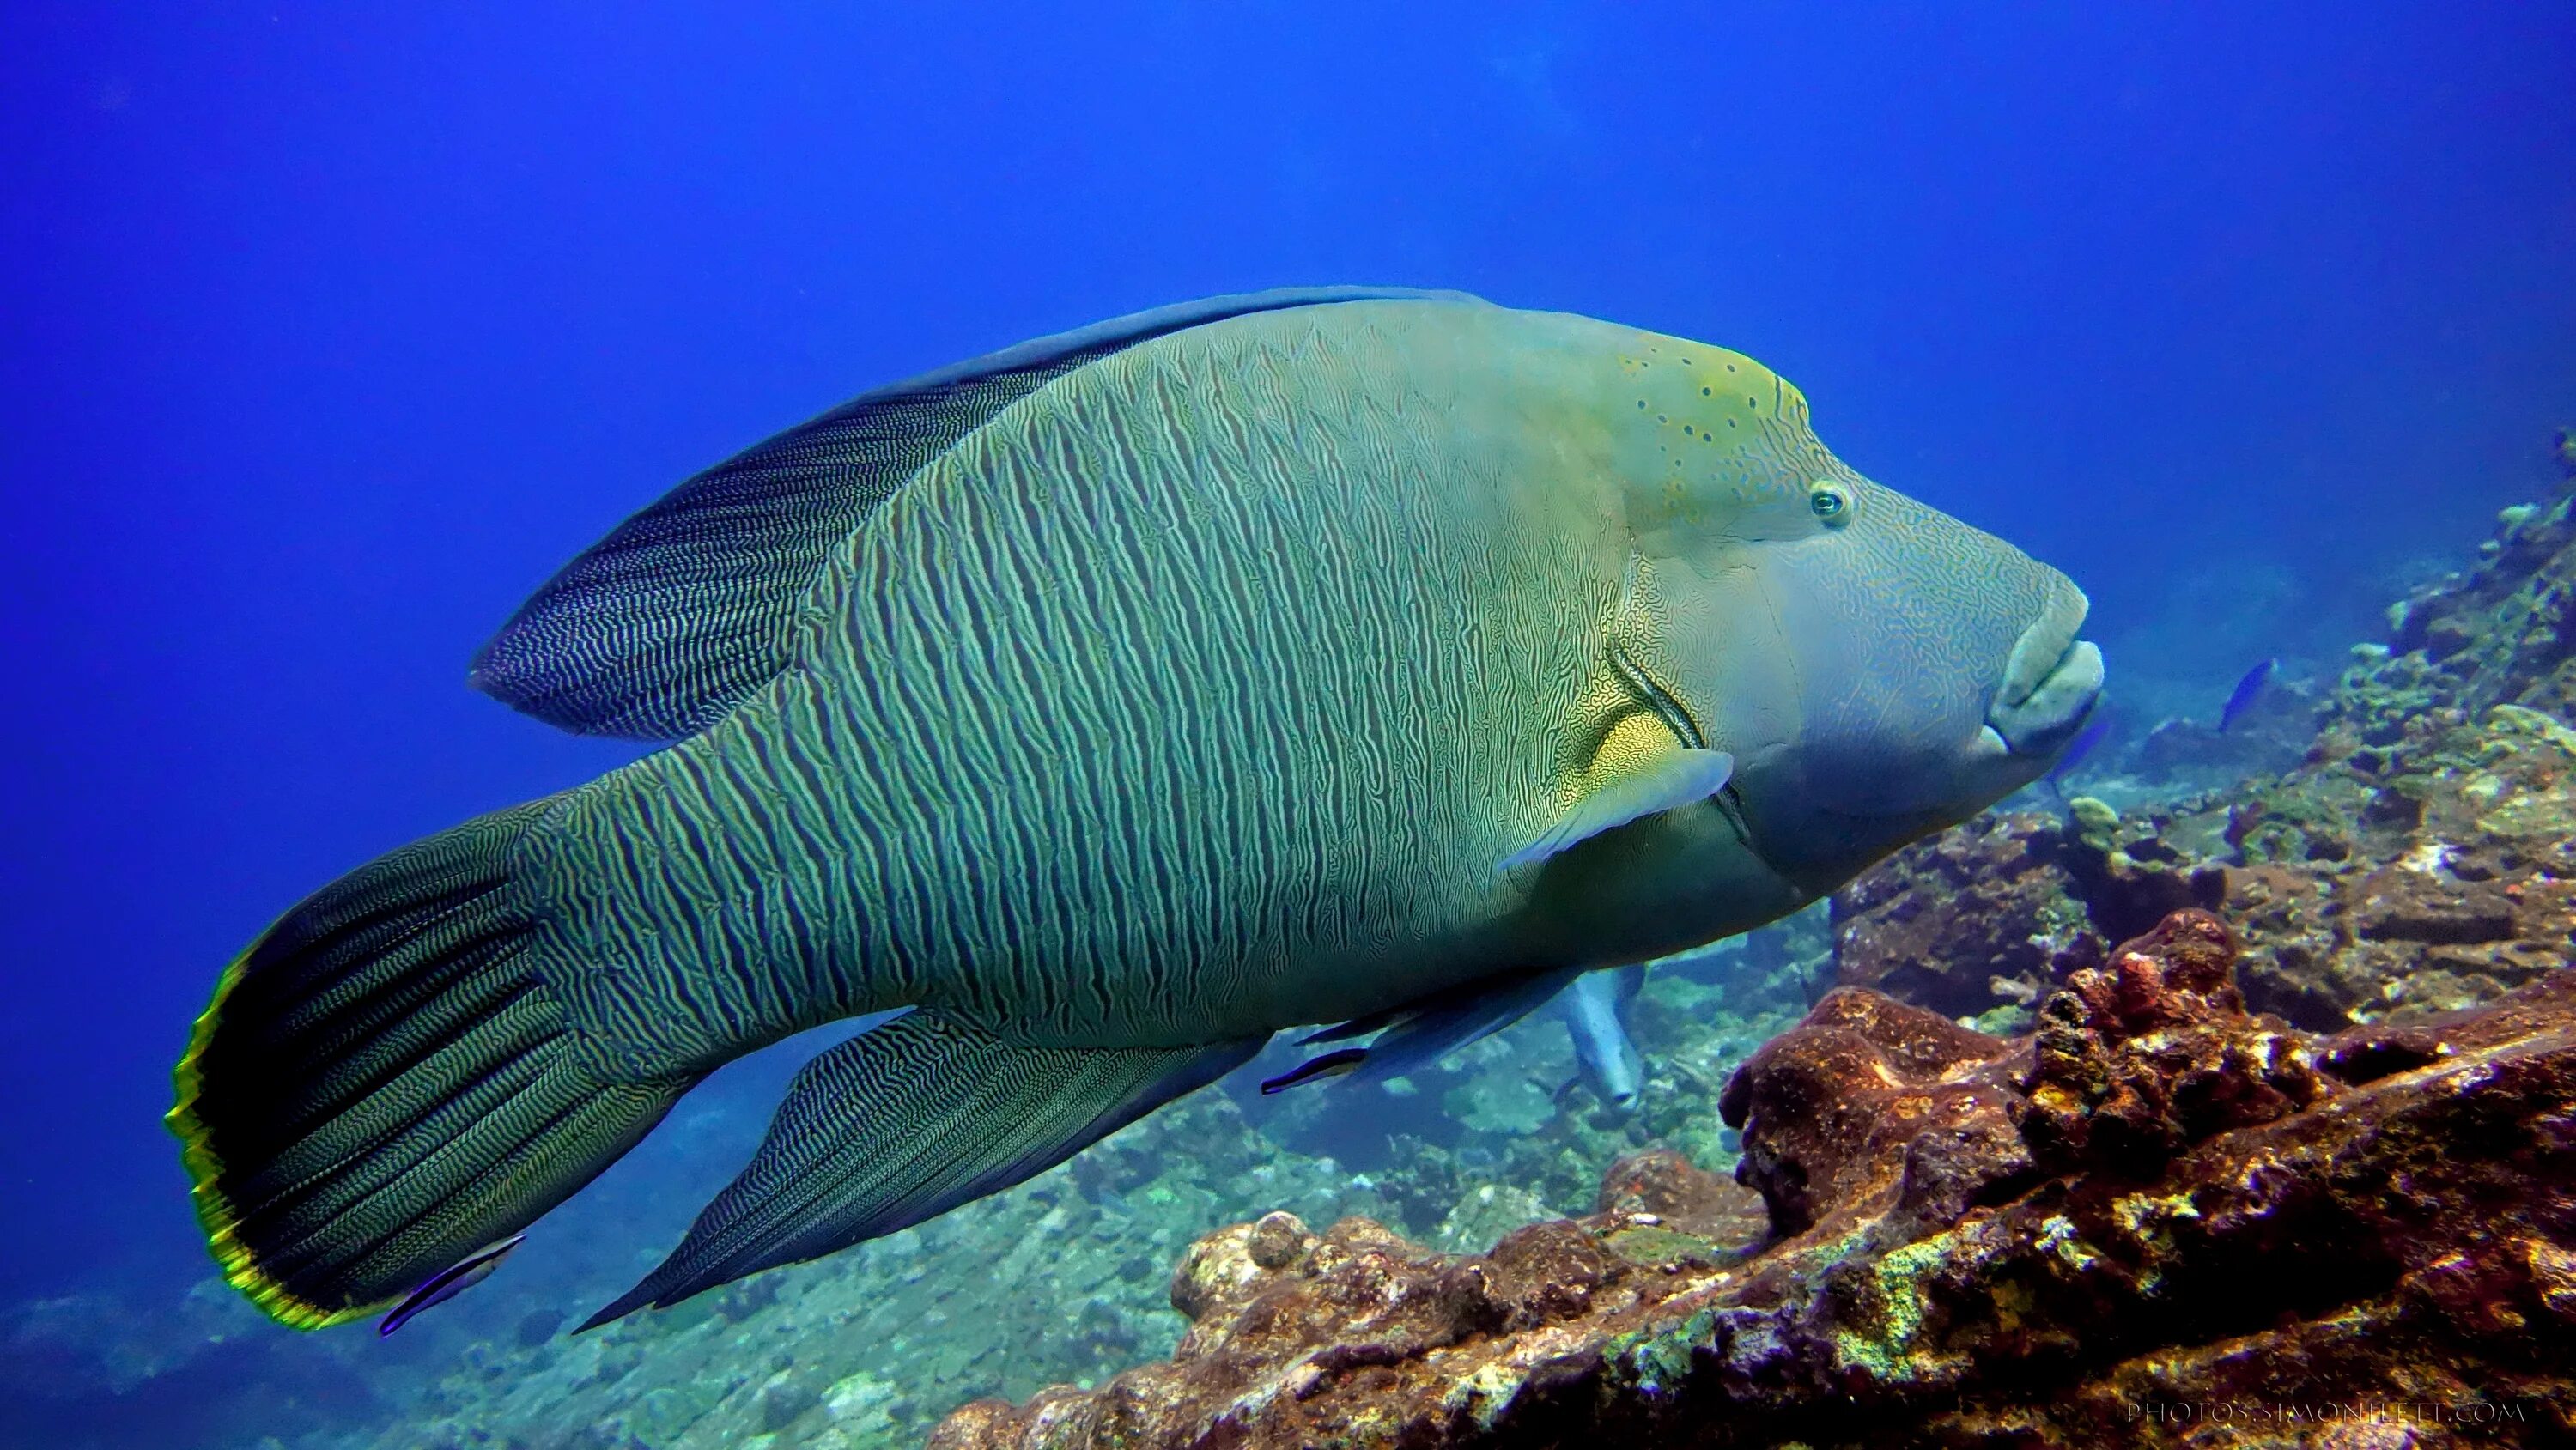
[
  {"x": 905, "y": 1122},
  {"x": 1640, "y": 770}
]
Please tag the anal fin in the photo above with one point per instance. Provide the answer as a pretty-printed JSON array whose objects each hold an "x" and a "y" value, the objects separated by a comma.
[{"x": 905, "y": 1122}]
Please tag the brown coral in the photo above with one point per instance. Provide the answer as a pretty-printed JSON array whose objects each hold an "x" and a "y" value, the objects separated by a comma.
[
  {"x": 1866, "y": 1098},
  {"x": 2154, "y": 1051},
  {"x": 1962, "y": 1253}
]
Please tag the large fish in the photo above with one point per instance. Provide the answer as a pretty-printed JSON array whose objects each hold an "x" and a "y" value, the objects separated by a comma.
[{"x": 1112, "y": 702}]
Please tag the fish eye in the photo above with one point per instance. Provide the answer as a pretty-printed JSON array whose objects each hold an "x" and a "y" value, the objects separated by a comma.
[{"x": 1829, "y": 502}]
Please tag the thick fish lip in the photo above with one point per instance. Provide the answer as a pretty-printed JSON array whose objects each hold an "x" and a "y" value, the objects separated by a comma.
[
  {"x": 2050, "y": 683},
  {"x": 2054, "y": 711}
]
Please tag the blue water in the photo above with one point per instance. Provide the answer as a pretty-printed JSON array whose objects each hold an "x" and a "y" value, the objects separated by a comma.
[{"x": 327, "y": 332}]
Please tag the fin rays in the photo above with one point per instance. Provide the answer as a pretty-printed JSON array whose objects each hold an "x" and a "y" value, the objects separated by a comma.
[
  {"x": 320, "y": 1170},
  {"x": 384, "y": 1083},
  {"x": 905, "y": 1122},
  {"x": 689, "y": 606}
]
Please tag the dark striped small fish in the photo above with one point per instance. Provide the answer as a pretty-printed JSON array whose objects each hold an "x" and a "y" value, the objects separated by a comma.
[
  {"x": 449, "y": 1282},
  {"x": 1315, "y": 1069}
]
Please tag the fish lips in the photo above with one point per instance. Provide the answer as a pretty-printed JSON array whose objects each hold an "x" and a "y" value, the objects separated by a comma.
[{"x": 2051, "y": 682}]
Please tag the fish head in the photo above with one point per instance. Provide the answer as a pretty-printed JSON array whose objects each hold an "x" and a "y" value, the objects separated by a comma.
[
  {"x": 1878, "y": 669},
  {"x": 1605, "y": 1056},
  {"x": 1618, "y": 1081}
]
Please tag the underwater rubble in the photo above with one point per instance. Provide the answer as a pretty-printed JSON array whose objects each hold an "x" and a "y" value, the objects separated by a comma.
[{"x": 2156, "y": 1217}]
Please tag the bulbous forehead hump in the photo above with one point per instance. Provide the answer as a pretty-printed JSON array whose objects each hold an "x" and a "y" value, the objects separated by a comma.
[
  {"x": 1710, "y": 396},
  {"x": 1711, "y": 425}
]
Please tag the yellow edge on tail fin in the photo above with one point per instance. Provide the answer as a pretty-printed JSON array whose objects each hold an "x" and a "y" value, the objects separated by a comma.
[{"x": 215, "y": 1213}]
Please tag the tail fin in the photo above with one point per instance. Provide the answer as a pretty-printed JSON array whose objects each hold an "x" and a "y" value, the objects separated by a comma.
[{"x": 384, "y": 1084}]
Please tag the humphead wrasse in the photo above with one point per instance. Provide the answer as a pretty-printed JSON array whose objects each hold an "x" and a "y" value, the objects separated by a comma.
[{"x": 1111, "y": 703}]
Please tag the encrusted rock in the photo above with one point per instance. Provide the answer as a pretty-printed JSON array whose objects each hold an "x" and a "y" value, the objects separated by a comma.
[
  {"x": 2154, "y": 1051},
  {"x": 1277, "y": 1241},
  {"x": 1957, "y": 1258},
  {"x": 1660, "y": 1187},
  {"x": 1833, "y": 1111},
  {"x": 1218, "y": 1272},
  {"x": 1975, "y": 918}
]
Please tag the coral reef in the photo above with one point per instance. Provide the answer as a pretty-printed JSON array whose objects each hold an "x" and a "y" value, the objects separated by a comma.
[
  {"x": 2419, "y": 858},
  {"x": 2159, "y": 1220},
  {"x": 2496, "y": 632},
  {"x": 2369, "y": 885}
]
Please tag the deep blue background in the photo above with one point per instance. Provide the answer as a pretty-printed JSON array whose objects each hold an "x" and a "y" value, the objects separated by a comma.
[{"x": 326, "y": 332}]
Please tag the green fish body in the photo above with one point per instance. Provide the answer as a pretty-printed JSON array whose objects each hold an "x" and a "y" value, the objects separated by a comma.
[
  {"x": 1196, "y": 697},
  {"x": 1113, "y": 703}
]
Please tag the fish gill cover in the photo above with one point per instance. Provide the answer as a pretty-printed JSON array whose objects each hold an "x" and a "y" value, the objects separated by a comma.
[{"x": 331, "y": 338}]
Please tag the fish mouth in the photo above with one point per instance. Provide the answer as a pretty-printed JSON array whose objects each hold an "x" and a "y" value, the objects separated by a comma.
[{"x": 2050, "y": 683}]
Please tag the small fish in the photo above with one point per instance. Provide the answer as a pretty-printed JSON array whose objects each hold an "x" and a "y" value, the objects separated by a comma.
[
  {"x": 2247, "y": 691},
  {"x": 449, "y": 1282},
  {"x": 1596, "y": 1019},
  {"x": 1331, "y": 1064}
]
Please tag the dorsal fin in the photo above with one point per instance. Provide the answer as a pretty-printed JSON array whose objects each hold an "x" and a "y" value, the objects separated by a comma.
[{"x": 661, "y": 628}]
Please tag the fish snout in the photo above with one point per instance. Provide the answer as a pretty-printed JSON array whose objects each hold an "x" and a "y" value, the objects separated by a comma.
[{"x": 2050, "y": 683}]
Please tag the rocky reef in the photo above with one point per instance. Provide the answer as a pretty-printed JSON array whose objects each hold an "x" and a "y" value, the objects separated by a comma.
[
  {"x": 2158, "y": 1219},
  {"x": 2370, "y": 883},
  {"x": 2418, "y": 858}
]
